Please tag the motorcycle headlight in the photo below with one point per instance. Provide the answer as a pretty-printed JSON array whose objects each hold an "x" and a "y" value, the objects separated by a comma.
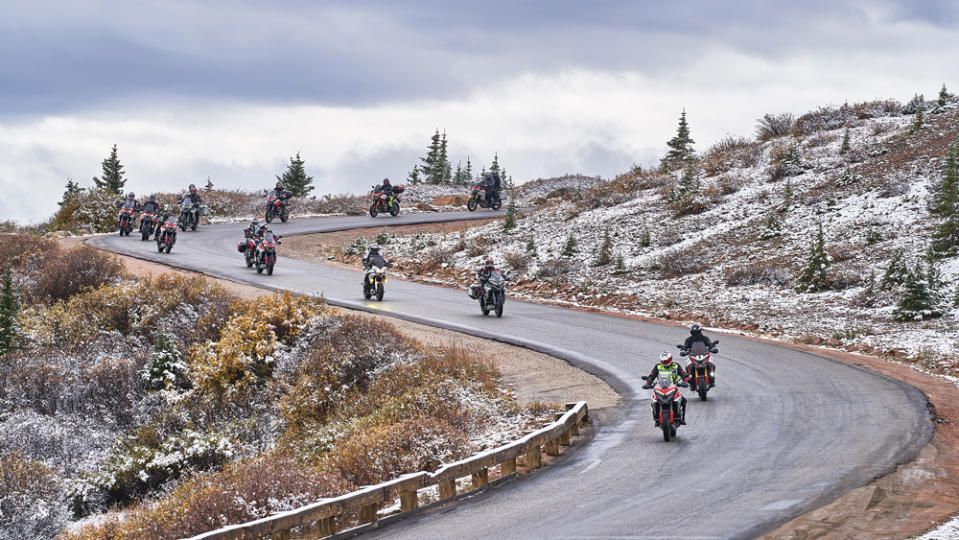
[{"x": 379, "y": 270}]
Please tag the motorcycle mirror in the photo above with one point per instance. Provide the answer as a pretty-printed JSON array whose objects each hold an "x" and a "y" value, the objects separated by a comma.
[
  {"x": 679, "y": 346},
  {"x": 715, "y": 342},
  {"x": 683, "y": 353},
  {"x": 644, "y": 377},
  {"x": 714, "y": 351},
  {"x": 683, "y": 385}
]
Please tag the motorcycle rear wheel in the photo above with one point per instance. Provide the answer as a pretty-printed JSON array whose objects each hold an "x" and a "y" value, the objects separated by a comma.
[
  {"x": 259, "y": 268},
  {"x": 160, "y": 247},
  {"x": 483, "y": 307},
  {"x": 284, "y": 215},
  {"x": 367, "y": 292},
  {"x": 168, "y": 247},
  {"x": 249, "y": 263},
  {"x": 496, "y": 205},
  {"x": 395, "y": 209}
]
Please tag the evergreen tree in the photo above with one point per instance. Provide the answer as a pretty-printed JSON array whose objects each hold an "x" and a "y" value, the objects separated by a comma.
[
  {"x": 209, "y": 185},
  {"x": 943, "y": 96},
  {"x": 112, "y": 178},
  {"x": 468, "y": 171},
  {"x": 510, "y": 222},
  {"x": 771, "y": 228},
  {"x": 531, "y": 246},
  {"x": 689, "y": 183},
  {"x": 680, "y": 146},
  {"x": 815, "y": 277},
  {"x": 917, "y": 123},
  {"x": 918, "y": 303},
  {"x": 444, "y": 162},
  {"x": 845, "y": 147},
  {"x": 620, "y": 264},
  {"x": 570, "y": 248},
  {"x": 71, "y": 190},
  {"x": 895, "y": 273},
  {"x": 9, "y": 306},
  {"x": 495, "y": 166},
  {"x": 946, "y": 206},
  {"x": 605, "y": 255},
  {"x": 458, "y": 175},
  {"x": 295, "y": 178},
  {"x": 414, "y": 176},
  {"x": 166, "y": 369},
  {"x": 787, "y": 197},
  {"x": 430, "y": 165}
]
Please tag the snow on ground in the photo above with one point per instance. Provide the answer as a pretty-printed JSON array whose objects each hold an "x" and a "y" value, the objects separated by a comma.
[
  {"x": 948, "y": 531},
  {"x": 726, "y": 266}
]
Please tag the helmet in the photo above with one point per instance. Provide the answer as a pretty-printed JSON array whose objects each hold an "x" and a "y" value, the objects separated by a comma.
[
  {"x": 665, "y": 358},
  {"x": 279, "y": 185},
  {"x": 386, "y": 181},
  {"x": 263, "y": 227},
  {"x": 153, "y": 198},
  {"x": 254, "y": 222},
  {"x": 192, "y": 188},
  {"x": 374, "y": 248},
  {"x": 695, "y": 329},
  {"x": 130, "y": 195},
  {"x": 489, "y": 260}
]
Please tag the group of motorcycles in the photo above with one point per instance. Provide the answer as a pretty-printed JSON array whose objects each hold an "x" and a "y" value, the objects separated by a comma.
[
  {"x": 259, "y": 250},
  {"x": 163, "y": 227},
  {"x": 481, "y": 196},
  {"x": 666, "y": 393}
]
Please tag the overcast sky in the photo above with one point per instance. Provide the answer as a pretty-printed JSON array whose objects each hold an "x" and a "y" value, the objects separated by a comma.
[{"x": 231, "y": 90}]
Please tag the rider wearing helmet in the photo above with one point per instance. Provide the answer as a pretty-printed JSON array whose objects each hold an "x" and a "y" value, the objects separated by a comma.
[
  {"x": 281, "y": 193},
  {"x": 250, "y": 230},
  {"x": 130, "y": 202},
  {"x": 371, "y": 255},
  {"x": 493, "y": 185},
  {"x": 666, "y": 368},
  {"x": 486, "y": 271},
  {"x": 696, "y": 335},
  {"x": 385, "y": 187},
  {"x": 192, "y": 195},
  {"x": 151, "y": 206}
]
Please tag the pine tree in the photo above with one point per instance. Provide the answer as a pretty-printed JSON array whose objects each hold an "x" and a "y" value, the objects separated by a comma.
[
  {"x": 414, "y": 176},
  {"x": 72, "y": 189},
  {"x": 531, "y": 246},
  {"x": 620, "y": 264},
  {"x": 443, "y": 162},
  {"x": 946, "y": 206},
  {"x": 295, "y": 179},
  {"x": 605, "y": 255},
  {"x": 112, "y": 178},
  {"x": 166, "y": 369},
  {"x": 771, "y": 228},
  {"x": 495, "y": 166},
  {"x": 468, "y": 171},
  {"x": 917, "y": 123},
  {"x": 689, "y": 183},
  {"x": 918, "y": 303},
  {"x": 209, "y": 185},
  {"x": 570, "y": 248},
  {"x": 680, "y": 147},
  {"x": 845, "y": 147},
  {"x": 9, "y": 306},
  {"x": 943, "y": 96},
  {"x": 510, "y": 222},
  {"x": 815, "y": 277},
  {"x": 430, "y": 165},
  {"x": 895, "y": 273},
  {"x": 787, "y": 197},
  {"x": 458, "y": 175}
]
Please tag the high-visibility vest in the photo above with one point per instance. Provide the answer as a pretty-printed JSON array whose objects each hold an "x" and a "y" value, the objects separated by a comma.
[{"x": 671, "y": 371}]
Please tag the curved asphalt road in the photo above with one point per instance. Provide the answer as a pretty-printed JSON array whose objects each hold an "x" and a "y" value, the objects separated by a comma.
[{"x": 782, "y": 433}]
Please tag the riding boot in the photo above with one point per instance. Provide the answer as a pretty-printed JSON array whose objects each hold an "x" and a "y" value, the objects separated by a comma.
[
  {"x": 655, "y": 415},
  {"x": 682, "y": 413}
]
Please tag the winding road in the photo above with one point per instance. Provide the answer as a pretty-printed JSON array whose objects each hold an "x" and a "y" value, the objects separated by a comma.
[{"x": 783, "y": 432}]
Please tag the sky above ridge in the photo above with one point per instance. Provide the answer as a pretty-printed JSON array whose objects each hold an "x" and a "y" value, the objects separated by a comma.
[{"x": 231, "y": 90}]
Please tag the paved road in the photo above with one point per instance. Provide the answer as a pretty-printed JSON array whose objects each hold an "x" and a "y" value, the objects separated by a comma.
[{"x": 783, "y": 432}]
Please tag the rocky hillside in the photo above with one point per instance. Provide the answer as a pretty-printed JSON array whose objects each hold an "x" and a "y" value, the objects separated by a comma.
[{"x": 725, "y": 240}]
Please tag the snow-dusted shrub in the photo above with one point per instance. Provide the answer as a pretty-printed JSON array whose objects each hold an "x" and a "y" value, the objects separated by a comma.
[
  {"x": 517, "y": 261},
  {"x": 94, "y": 210},
  {"x": 690, "y": 203},
  {"x": 554, "y": 267},
  {"x": 31, "y": 499},
  {"x": 785, "y": 160},
  {"x": 74, "y": 270},
  {"x": 771, "y": 126},
  {"x": 166, "y": 369},
  {"x": 371, "y": 456},
  {"x": 682, "y": 262},
  {"x": 730, "y": 152},
  {"x": 766, "y": 273}
]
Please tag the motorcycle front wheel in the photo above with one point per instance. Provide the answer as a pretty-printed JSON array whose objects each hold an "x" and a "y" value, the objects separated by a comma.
[
  {"x": 379, "y": 292},
  {"x": 471, "y": 204},
  {"x": 373, "y": 210},
  {"x": 159, "y": 247},
  {"x": 667, "y": 429},
  {"x": 269, "y": 269},
  {"x": 499, "y": 307},
  {"x": 168, "y": 247}
]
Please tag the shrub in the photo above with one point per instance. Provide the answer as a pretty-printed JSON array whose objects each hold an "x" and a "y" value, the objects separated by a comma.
[
  {"x": 771, "y": 126},
  {"x": 691, "y": 260},
  {"x": 554, "y": 267},
  {"x": 730, "y": 152},
  {"x": 765, "y": 273},
  {"x": 76, "y": 270},
  {"x": 690, "y": 203},
  {"x": 31, "y": 503},
  {"x": 94, "y": 210},
  {"x": 166, "y": 369},
  {"x": 517, "y": 261},
  {"x": 569, "y": 248},
  {"x": 785, "y": 161}
]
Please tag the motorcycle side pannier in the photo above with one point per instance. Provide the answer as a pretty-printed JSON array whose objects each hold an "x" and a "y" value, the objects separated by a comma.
[
  {"x": 204, "y": 210},
  {"x": 474, "y": 291},
  {"x": 241, "y": 247},
  {"x": 399, "y": 189}
]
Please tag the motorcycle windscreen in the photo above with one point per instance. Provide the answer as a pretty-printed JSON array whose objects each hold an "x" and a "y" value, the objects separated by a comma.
[
  {"x": 268, "y": 237},
  {"x": 496, "y": 278},
  {"x": 698, "y": 348},
  {"x": 378, "y": 261}
]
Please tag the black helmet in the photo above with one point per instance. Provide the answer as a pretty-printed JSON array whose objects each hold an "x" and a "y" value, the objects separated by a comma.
[
  {"x": 695, "y": 329},
  {"x": 374, "y": 248},
  {"x": 192, "y": 188},
  {"x": 153, "y": 198},
  {"x": 279, "y": 185},
  {"x": 130, "y": 195},
  {"x": 386, "y": 181}
]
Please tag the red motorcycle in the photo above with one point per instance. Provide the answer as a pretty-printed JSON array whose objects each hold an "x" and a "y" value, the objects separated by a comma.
[
  {"x": 126, "y": 221},
  {"x": 276, "y": 207},
  {"x": 248, "y": 248},
  {"x": 700, "y": 368},
  {"x": 148, "y": 222},
  {"x": 166, "y": 236},
  {"x": 266, "y": 253},
  {"x": 383, "y": 202},
  {"x": 666, "y": 408},
  {"x": 480, "y": 197}
]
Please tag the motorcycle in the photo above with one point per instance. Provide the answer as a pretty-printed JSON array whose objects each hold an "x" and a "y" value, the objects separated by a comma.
[
  {"x": 698, "y": 367},
  {"x": 148, "y": 223},
  {"x": 126, "y": 220},
  {"x": 276, "y": 207},
  {"x": 480, "y": 198},
  {"x": 189, "y": 215},
  {"x": 166, "y": 236},
  {"x": 491, "y": 294},
  {"x": 665, "y": 404},
  {"x": 248, "y": 248},
  {"x": 375, "y": 278},
  {"x": 383, "y": 202},
  {"x": 266, "y": 253}
]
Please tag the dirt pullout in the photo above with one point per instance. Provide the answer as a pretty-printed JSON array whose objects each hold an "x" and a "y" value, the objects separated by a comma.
[
  {"x": 904, "y": 503},
  {"x": 533, "y": 377}
]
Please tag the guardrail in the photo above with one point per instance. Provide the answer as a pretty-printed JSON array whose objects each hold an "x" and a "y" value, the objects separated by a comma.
[{"x": 320, "y": 518}]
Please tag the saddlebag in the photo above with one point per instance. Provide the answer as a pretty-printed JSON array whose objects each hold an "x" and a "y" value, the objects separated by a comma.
[
  {"x": 241, "y": 247},
  {"x": 474, "y": 291}
]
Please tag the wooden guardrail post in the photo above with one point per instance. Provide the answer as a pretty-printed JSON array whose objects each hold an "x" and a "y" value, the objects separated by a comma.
[
  {"x": 564, "y": 436},
  {"x": 327, "y": 526},
  {"x": 409, "y": 500},
  {"x": 447, "y": 489},
  {"x": 481, "y": 478},
  {"x": 508, "y": 467},
  {"x": 551, "y": 448},
  {"x": 368, "y": 513},
  {"x": 534, "y": 459}
]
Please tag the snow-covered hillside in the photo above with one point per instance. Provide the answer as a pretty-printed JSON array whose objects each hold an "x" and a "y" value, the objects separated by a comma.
[{"x": 728, "y": 252}]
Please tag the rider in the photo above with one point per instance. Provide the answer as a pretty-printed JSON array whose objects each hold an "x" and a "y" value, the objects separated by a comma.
[
  {"x": 280, "y": 193},
  {"x": 371, "y": 256},
  {"x": 193, "y": 195},
  {"x": 492, "y": 183},
  {"x": 250, "y": 230},
  {"x": 385, "y": 187},
  {"x": 696, "y": 335},
  {"x": 667, "y": 368},
  {"x": 151, "y": 206},
  {"x": 483, "y": 275},
  {"x": 130, "y": 203}
]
